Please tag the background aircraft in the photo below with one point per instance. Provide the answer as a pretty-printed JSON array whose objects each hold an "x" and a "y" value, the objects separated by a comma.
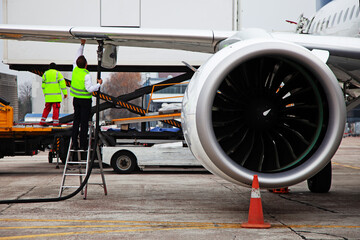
[{"x": 263, "y": 103}]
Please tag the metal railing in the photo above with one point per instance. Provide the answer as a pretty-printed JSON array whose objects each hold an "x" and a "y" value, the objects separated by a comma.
[{"x": 159, "y": 98}]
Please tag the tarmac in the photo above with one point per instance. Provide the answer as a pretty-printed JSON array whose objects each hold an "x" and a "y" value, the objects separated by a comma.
[{"x": 175, "y": 205}]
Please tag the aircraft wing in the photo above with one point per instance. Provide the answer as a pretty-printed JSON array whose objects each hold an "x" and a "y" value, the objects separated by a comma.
[{"x": 191, "y": 40}]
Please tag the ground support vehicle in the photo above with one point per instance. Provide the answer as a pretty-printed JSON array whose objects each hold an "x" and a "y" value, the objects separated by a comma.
[
  {"x": 28, "y": 139},
  {"x": 127, "y": 151},
  {"x": 160, "y": 156}
]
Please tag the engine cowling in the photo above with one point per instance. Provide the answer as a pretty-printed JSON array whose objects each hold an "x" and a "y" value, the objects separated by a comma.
[{"x": 264, "y": 107}]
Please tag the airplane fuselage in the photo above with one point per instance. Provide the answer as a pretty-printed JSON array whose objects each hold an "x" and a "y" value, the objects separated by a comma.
[{"x": 337, "y": 18}]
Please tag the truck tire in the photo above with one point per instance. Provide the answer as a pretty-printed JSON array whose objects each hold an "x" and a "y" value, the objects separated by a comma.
[
  {"x": 321, "y": 182},
  {"x": 124, "y": 162}
]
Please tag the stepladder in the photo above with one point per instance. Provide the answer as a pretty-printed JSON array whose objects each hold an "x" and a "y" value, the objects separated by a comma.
[{"x": 77, "y": 164}]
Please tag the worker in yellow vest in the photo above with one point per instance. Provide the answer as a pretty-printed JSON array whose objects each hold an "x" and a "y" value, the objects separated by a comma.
[
  {"x": 53, "y": 84},
  {"x": 81, "y": 89}
]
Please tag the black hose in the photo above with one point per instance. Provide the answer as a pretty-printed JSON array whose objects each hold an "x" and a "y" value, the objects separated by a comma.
[{"x": 82, "y": 185}]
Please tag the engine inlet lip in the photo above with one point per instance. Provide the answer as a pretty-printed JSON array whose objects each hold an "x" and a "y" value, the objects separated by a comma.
[{"x": 241, "y": 52}]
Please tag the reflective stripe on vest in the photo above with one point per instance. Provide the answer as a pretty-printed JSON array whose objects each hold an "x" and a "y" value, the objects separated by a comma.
[{"x": 77, "y": 88}]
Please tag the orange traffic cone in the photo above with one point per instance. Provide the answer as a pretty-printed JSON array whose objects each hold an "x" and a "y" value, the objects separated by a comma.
[
  {"x": 256, "y": 217},
  {"x": 280, "y": 190}
]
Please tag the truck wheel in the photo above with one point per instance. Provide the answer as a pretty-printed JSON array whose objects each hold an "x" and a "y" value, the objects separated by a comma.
[
  {"x": 321, "y": 182},
  {"x": 123, "y": 162}
]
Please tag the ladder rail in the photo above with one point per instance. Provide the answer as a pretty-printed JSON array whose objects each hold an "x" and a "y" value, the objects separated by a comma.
[
  {"x": 82, "y": 163},
  {"x": 65, "y": 167},
  {"x": 103, "y": 184}
]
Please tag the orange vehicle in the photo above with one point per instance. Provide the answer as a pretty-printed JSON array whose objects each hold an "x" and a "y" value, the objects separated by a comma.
[{"x": 28, "y": 139}]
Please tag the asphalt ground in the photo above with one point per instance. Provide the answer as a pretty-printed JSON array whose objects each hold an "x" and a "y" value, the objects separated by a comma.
[{"x": 175, "y": 205}]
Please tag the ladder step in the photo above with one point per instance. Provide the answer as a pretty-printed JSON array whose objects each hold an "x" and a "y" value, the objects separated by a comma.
[
  {"x": 79, "y": 162},
  {"x": 70, "y": 186},
  {"x": 74, "y": 169},
  {"x": 78, "y": 150},
  {"x": 75, "y": 174},
  {"x": 82, "y": 151}
]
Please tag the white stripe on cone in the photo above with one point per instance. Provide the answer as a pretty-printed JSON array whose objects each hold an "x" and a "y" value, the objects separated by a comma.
[{"x": 255, "y": 193}]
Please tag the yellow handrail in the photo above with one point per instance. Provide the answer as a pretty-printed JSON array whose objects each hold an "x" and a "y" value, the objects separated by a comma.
[{"x": 165, "y": 84}]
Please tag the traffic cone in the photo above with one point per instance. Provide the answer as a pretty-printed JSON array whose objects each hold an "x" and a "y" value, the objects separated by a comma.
[
  {"x": 256, "y": 217},
  {"x": 280, "y": 190}
]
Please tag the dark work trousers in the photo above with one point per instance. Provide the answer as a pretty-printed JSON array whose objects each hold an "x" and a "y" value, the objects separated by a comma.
[{"x": 82, "y": 112}]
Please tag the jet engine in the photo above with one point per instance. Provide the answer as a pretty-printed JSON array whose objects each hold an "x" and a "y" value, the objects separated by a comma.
[{"x": 265, "y": 107}]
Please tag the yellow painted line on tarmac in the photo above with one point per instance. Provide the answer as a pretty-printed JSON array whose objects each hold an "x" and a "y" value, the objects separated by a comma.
[
  {"x": 347, "y": 166},
  {"x": 70, "y": 226},
  {"x": 221, "y": 225},
  {"x": 116, "y": 221},
  {"x": 107, "y": 231},
  {"x": 135, "y": 226}
]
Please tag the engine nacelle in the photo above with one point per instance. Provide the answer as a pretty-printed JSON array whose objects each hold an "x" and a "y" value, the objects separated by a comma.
[{"x": 264, "y": 107}]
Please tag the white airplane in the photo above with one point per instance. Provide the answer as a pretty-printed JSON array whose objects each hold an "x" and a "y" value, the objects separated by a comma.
[{"x": 265, "y": 103}]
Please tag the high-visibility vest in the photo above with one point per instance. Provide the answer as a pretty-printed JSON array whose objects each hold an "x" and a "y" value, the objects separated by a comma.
[
  {"x": 77, "y": 88},
  {"x": 53, "y": 84}
]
